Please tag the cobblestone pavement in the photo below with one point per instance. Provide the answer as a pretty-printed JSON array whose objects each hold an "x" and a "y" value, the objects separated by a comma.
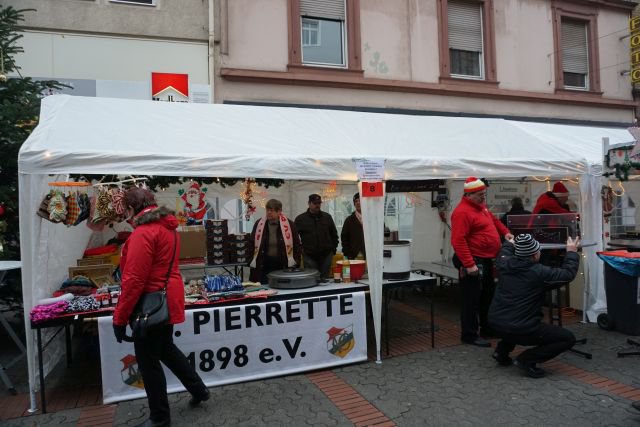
[{"x": 452, "y": 385}]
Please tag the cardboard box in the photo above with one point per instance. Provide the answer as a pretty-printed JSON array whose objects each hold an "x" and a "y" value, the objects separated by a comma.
[
  {"x": 91, "y": 261},
  {"x": 98, "y": 274},
  {"x": 193, "y": 242}
]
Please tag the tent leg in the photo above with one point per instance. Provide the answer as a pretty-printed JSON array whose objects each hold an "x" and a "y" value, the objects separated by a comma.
[{"x": 33, "y": 406}]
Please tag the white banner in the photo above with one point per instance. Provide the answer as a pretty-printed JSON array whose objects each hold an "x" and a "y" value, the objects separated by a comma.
[{"x": 247, "y": 342}]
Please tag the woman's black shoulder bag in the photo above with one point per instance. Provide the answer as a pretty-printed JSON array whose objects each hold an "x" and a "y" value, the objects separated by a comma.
[{"x": 152, "y": 311}]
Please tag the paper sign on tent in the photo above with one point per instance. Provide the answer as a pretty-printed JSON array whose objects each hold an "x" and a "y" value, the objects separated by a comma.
[{"x": 372, "y": 189}]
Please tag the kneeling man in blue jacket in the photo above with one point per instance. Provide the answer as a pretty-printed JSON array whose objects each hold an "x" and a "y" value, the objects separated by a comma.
[{"x": 516, "y": 310}]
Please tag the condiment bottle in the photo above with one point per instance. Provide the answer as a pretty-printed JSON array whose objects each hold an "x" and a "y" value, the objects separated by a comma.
[
  {"x": 337, "y": 273},
  {"x": 346, "y": 270}
]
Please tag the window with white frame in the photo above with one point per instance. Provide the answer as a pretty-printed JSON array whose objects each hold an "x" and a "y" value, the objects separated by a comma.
[
  {"x": 234, "y": 212},
  {"x": 398, "y": 215},
  {"x": 575, "y": 54},
  {"x": 310, "y": 32},
  {"x": 323, "y": 32},
  {"x": 465, "y": 39}
]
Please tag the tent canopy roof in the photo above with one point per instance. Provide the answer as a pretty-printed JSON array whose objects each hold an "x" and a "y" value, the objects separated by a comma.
[{"x": 116, "y": 136}]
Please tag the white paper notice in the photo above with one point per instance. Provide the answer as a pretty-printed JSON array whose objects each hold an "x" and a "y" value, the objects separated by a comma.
[{"x": 370, "y": 169}]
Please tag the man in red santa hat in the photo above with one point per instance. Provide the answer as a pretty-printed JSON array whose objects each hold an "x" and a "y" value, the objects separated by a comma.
[
  {"x": 475, "y": 237},
  {"x": 554, "y": 201}
]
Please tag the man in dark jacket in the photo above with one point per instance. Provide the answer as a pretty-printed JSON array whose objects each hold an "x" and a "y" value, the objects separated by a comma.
[
  {"x": 352, "y": 236},
  {"x": 517, "y": 208},
  {"x": 516, "y": 310},
  {"x": 319, "y": 236}
]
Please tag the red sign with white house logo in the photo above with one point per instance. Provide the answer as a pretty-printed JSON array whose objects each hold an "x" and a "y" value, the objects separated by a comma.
[
  {"x": 170, "y": 87},
  {"x": 372, "y": 189}
]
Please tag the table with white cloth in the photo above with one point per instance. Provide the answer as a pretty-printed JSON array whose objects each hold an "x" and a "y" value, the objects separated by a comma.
[{"x": 215, "y": 334}]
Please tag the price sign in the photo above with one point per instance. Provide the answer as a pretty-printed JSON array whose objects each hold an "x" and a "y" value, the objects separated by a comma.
[{"x": 372, "y": 189}]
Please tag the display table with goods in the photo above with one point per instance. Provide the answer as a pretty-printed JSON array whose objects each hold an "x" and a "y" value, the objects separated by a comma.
[{"x": 235, "y": 335}]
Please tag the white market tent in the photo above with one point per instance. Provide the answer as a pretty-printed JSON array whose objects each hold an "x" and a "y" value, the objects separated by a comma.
[{"x": 127, "y": 137}]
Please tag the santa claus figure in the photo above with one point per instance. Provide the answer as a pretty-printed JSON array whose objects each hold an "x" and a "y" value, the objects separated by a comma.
[{"x": 196, "y": 205}]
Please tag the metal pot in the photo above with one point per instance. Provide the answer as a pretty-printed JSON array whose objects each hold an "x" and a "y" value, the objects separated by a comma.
[
  {"x": 397, "y": 260},
  {"x": 294, "y": 278}
]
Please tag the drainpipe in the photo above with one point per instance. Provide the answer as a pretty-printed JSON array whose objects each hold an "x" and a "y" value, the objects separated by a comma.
[{"x": 211, "y": 50}]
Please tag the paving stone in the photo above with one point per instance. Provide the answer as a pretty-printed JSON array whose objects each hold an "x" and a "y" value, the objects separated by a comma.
[{"x": 459, "y": 385}]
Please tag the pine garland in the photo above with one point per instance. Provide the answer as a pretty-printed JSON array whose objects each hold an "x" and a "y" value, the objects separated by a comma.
[{"x": 163, "y": 182}]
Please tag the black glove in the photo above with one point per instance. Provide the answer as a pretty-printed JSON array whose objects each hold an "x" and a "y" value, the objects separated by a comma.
[{"x": 120, "y": 332}]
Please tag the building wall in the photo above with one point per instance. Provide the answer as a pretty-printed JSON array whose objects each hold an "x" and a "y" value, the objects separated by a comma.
[
  {"x": 257, "y": 38},
  {"x": 524, "y": 45},
  {"x": 104, "y": 48},
  {"x": 85, "y": 56},
  {"x": 168, "y": 19},
  {"x": 399, "y": 47}
]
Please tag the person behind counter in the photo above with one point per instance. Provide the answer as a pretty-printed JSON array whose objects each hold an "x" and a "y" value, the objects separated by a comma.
[
  {"x": 517, "y": 208},
  {"x": 516, "y": 310},
  {"x": 319, "y": 236},
  {"x": 475, "y": 237},
  {"x": 554, "y": 201},
  {"x": 146, "y": 266},
  {"x": 275, "y": 242},
  {"x": 352, "y": 235}
]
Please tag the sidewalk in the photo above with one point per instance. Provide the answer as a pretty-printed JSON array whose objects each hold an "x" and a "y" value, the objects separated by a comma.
[{"x": 451, "y": 385}]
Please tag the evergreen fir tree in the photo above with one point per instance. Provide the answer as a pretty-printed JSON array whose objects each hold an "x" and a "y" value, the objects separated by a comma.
[{"x": 19, "y": 108}]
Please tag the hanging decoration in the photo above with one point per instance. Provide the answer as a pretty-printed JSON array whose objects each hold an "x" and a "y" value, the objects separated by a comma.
[
  {"x": 413, "y": 200},
  {"x": 67, "y": 202},
  {"x": 247, "y": 197},
  {"x": 329, "y": 192},
  {"x": 196, "y": 205},
  {"x": 260, "y": 197},
  {"x": 608, "y": 203},
  {"x": 623, "y": 160}
]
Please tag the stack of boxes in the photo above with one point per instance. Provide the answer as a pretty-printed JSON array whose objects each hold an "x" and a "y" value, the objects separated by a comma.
[
  {"x": 217, "y": 241},
  {"x": 239, "y": 248}
]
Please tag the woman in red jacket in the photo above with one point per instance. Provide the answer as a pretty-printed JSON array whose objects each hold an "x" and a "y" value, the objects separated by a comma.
[{"x": 146, "y": 263}]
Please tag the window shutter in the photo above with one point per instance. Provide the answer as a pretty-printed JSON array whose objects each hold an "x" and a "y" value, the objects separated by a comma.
[
  {"x": 575, "y": 57},
  {"x": 465, "y": 26},
  {"x": 326, "y": 9}
]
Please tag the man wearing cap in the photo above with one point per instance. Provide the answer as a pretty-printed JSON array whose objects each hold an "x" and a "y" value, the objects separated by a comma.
[
  {"x": 553, "y": 202},
  {"x": 319, "y": 236},
  {"x": 516, "y": 311},
  {"x": 475, "y": 237},
  {"x": 352, "y": 236}
]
